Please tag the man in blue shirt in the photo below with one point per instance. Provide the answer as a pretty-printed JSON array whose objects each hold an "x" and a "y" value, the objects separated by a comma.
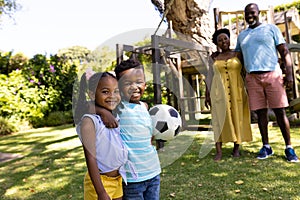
[{"x": 259, "y": 44}]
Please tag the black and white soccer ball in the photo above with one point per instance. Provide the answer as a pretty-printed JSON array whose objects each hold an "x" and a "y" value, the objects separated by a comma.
[{"x": 166, "y": 121}]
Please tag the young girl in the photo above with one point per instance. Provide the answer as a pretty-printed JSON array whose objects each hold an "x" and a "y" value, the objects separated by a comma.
[{"x": 104, "y": 150}]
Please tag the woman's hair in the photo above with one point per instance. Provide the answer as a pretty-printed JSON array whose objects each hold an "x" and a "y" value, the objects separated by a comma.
[
  {"x": 91, "y": 84},
  {"x": 218, "y": 32},
  {"x": 127, "y": 64}
]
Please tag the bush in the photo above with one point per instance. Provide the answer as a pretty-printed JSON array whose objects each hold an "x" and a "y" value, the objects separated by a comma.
[
  {"x": 5, "y": 127},
  {"x": 55, "y": 118},
  {"x": 58, "y": 118}
]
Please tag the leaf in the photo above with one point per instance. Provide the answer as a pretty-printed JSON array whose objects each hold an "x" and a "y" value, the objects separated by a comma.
[
  {"x": 239, "y": 182},
  {"x": 172, "y": 194}
]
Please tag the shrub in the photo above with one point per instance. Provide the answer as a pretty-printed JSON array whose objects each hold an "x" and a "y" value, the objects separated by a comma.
[
  {"x": 59, "y": 118},
  {"x": 55, "y": 118},
  {"x": 5, "y": 127}
]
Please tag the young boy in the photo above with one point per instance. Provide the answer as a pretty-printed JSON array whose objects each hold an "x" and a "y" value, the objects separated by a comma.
[{"x": 136, "y": 133}]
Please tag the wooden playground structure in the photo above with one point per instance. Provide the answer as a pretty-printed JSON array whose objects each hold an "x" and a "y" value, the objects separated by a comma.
[{"x": 184, "y": 64}]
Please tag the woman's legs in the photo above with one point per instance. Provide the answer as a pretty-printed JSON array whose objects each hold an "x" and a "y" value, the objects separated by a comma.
[
  {"x": 236, "y": 152},
  {"x": 218, "y": 156}
]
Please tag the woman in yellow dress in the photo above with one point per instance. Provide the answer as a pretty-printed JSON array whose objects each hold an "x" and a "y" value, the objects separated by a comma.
[{"x": 227, "y": 96}]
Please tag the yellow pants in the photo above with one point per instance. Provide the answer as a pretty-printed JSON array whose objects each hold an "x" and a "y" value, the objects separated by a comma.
[{"x": 112, "y": 185}]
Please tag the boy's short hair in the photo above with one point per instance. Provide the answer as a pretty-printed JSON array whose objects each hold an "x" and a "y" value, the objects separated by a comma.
[{"x": 127, "y": 64}]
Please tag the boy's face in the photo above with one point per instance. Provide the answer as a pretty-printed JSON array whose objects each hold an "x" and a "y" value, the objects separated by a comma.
[{"x": 132, "y": 84}]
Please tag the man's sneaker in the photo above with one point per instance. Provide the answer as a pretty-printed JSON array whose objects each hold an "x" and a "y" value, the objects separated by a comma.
[
  {"x": 291, "y": 155},
  {"x": 264, "y": 153}
]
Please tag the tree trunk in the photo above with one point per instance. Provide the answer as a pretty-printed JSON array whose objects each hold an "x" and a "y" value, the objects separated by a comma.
[
  {"x": 190, "y": 18},
  {"x": 190, "y": 23}
]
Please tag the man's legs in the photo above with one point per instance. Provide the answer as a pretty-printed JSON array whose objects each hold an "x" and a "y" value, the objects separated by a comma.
[
  {"x": 284, "y": 124},
  {"x": 262, "y": 118}
]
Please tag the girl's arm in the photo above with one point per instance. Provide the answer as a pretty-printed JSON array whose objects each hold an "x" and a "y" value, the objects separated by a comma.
[{"x": 88, "y": 136}]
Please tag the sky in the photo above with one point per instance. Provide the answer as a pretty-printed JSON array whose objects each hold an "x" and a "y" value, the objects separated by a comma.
[{"x": 45, "y": 26}]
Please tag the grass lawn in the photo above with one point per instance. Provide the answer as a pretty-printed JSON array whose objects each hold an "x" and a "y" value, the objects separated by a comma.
[{"x": 52, "y": 166}]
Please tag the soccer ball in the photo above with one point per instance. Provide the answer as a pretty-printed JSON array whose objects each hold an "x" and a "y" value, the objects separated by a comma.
[{"x": 166, "y": 121}]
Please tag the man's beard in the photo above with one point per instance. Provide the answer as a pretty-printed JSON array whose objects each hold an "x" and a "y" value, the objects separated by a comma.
[{"x": 253, "y": 23}]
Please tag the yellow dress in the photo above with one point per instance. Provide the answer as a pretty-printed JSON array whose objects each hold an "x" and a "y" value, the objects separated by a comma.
[{"x": 230, "y": 108}]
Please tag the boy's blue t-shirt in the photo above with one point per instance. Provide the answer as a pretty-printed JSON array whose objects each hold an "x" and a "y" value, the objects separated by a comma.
[{"x": 136, "y": 133}]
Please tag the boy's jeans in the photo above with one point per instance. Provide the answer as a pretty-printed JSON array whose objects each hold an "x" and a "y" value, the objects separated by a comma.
[{"x": 145, "y": 190}]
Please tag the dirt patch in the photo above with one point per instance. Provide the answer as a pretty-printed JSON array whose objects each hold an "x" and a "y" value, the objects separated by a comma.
[{"x": 4, "y": 157}]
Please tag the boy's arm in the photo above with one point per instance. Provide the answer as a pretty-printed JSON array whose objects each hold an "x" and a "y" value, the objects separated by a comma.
[{"x": 107, "y": 117}]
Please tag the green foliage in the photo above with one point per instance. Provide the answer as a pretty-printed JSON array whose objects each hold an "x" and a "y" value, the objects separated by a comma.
[
  {"x": 4, "y": 62},
  {"x": 102, "y": 59},
  {"x": 34, "y": 89},
  {"x": 10, "y": 62},
  {"x": 20, "y": 100},
  {"x": 5, "y": 127},
  {"x": 39, "y": 87},
  {"x": 8, "y": 7},
  {"x": 58, "y": 118},
  {"x": 233, "y": 20},
  {"x": 296, "y": 38},
  {"x": 148, "y": 95},
  {"x": 55, "y": 118},
  {"x": 287, "y": 6},
  {"x": 76, "y": 54},
  {"x": 56, "y": 75}
]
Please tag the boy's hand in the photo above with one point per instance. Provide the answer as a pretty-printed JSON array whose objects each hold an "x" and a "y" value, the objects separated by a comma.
[
  {"x": 107, "y": 117},
  {"x": 109, "y": 120}
]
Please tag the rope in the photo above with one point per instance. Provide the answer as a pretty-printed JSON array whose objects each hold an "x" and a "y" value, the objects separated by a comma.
[{"x": 165, "y": 14}]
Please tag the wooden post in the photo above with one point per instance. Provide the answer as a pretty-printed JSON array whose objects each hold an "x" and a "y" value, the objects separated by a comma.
[
  {"x": 192, "y": 101},
  {"x": 287, "y": 33},
  {"x": 181, "y": 93},
  {"x": 237, "y": 24},
  {"x": 156, "y": 69},
  {"x": 120, "y": 49},
  {"x": 216, "y": 18}
]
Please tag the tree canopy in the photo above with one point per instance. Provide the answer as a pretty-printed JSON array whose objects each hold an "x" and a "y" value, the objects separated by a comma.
[{"x": 8, "y": 8}]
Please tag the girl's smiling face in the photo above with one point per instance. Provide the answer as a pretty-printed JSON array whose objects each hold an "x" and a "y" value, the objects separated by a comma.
[{"x": 107, "y": 94}]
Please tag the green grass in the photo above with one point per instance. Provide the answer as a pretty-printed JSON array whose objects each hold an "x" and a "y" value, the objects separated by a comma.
[{"x": 53, "y": 167}]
